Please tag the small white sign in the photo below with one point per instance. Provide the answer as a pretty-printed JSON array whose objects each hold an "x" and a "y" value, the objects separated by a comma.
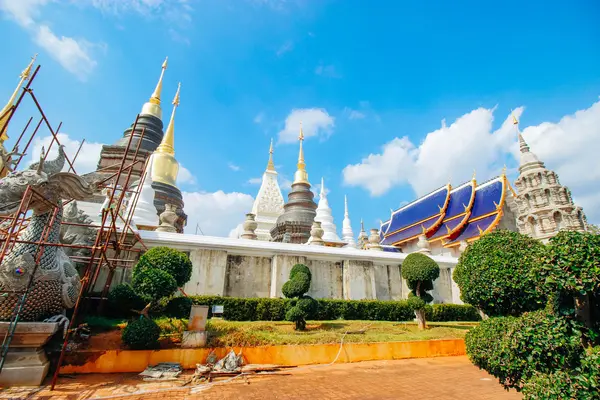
[{"x": 217, "y": 309}]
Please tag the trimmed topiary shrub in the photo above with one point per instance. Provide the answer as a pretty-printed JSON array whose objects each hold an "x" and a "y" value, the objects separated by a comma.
[
  {"x": 179, "y": 307},
  {"x": 267, "y": 309},
  {"x": 172, "y": 261},
  {"x": 582, "y": 383},
  {"x": 570, "y": 272},
  {"x": 514, "y": 349},
  {"x": 141, "y": 334},
  {"x": 419, "y": 271},
  {"x": 152, "y": 284},
  {"x": 302, "y": 306},
  {"x": 493, "y": 274},
  {"x": 451, "y": 312},
  {"x": 122, "y": 299}
]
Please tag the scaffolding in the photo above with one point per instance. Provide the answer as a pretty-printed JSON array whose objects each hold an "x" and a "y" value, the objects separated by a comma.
[{"x": 116, "y": 243}]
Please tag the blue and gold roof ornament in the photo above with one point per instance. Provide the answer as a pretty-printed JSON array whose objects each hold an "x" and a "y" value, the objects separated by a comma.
[{"x": 422, "y": 216}]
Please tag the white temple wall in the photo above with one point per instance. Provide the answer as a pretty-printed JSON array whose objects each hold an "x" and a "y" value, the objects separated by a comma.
[{"x": 249, "y": 268}]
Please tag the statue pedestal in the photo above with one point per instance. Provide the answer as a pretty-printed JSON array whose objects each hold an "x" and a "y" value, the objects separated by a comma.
[
  {"x": 26, "y": 363},
  {"x": 195, "y": 336}
]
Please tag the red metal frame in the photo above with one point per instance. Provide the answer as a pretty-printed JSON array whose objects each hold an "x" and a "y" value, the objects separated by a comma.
[{"x": 116, "y": 241}]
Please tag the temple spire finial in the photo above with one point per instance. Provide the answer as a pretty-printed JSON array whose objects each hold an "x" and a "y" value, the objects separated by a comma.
[
  {"x": 155, "y": 98},
  {"x": 474, "y": 174},
  {"x": 270, "y": 165},
  {"x": 167, "y": 145},
  {"x": 4, "y": 113},
  {"x": 346, "y": 206},
  {"x": 301, "y": 176},
  {"x": 523, "y": 147}
]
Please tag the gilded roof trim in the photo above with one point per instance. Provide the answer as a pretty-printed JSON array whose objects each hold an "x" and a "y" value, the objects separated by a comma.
[
  {"x": 448, "y": 188},
  {"x": 465, "y": 215}
]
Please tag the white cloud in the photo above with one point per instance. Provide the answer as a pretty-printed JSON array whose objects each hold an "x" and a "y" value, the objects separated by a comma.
[
  {"x": 74, "y": 55},
  {"x": 286, "y": 47},
  {"x": 255, "y": 181},
  {"x": 315, "y": 122},
  {"x": 259, "y": 118},
  {"x": 327, "y": 71},
  {"x": 233, "y": 167},
  {"x": 216, "y": 213},
  {"x": 354, "y": 114},
  {"x": 568, "y": 147},
  {"x": 87, "y": 159},
  {"x": 185, "y": 177}
]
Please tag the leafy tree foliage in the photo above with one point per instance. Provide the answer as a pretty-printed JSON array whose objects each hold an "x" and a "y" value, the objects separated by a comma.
[
  {"x": 122, "y": 299},
  {"x": 570, "y": 272},
  {"x": 493, "y": 274},
  {"x": 419, "y": 271},
  {"x": 152, "y": 284},
  {"x": 302, "y": 306},
  {"x": 172, "y": 261}
]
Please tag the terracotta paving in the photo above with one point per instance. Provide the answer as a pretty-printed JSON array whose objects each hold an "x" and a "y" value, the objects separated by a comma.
[{"x": 426, "y": 378}]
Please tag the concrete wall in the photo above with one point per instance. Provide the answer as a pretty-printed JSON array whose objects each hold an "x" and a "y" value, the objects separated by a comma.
[{"x": 247, "y": 268}]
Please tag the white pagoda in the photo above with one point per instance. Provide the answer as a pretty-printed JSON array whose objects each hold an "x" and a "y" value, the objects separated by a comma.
[
  {"x": 347, "y": 233},
  {"x": 325, "y": 218}
]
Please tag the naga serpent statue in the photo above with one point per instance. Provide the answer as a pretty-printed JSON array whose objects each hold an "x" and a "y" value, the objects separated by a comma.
[{"x": 56, "y": 283}]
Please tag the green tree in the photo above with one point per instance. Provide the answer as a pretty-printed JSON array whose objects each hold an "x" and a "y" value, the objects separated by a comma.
[
  {"x": 302, "y": 306},
  {"x": 419, "y": 271},
  {"x": 174, "y": 262},
  {"x": 570, "y": 273},
  {"x": 153, "y": 284},
  {"x": 493, "y": 274}
]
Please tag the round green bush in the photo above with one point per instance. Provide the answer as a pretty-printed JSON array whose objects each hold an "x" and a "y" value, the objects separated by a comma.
[
  {"x": 493, "y": 274},
  {"x": 141, "y": 334},
  {"x": 172, "y": 261},
  {"x": 300, "y": 268},
  {"x": 419, "y": 267},
  {"x": 308, "y": 306},
  {"x": 296, "y": 315},
  {"x": 179, "y": 307},
  {"x": 122, "y": 299},
  {"x": 296, "y": 286},
  {"x": 415, "y": 302},
  {"x": 514, "y": 349},
  {"x": 153, "y": 284}
]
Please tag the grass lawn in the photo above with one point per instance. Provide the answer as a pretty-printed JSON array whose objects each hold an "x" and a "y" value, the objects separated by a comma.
[
  {"x": 231, "y": 333},
  {"x": 259, "y": 333}
]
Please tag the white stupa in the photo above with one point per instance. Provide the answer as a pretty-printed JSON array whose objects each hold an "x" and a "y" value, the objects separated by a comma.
[
  {"x": 347, "y": 234},
  {"x": 325, "y": 218},
  {"x": 268, "y": 204},
  {"x": 145, "y": 213}
]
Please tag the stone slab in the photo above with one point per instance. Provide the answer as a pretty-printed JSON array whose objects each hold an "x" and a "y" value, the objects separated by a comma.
[{"x": 192, "y": 340}]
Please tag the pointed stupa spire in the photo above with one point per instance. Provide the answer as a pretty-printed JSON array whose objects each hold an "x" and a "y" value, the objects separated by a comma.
[
  {"x": 152, "y": 107},
  {"x": 165, "y": 167},
  {"x": 4, "y": 113},
  {"x": 528, "y": 159},
  {"x": 363, "y": 237},
  {"x": 270, "y": 165},
  {"x": 347, "y": 233},
  {"x": 301, "y": 176},
  {"x": 325, "y": 217},
  {"x": 168, "y": 142}
]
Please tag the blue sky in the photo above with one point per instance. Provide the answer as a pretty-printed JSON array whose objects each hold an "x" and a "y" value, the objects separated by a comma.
[{"x": 371, "y": 83}]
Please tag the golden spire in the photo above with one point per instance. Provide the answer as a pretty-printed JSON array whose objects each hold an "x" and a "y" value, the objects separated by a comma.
[
  {"x": 4, "y": 113},
  {"x": 167, "y": 145},
  {"x": 152, "y": 107},
  {"x": 270, "y": 165},
  {"x": 155, "y": 98},
  {"x": 301, "y": 176},
  {"x": 164, "y": 165}
]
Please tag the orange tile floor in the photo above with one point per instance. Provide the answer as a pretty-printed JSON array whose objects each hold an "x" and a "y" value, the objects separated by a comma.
[{"x": 425, "y": 378}]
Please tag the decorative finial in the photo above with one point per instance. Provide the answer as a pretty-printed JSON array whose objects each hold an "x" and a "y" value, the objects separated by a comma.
[
  {"x": 362, "y": 225},
  {"x": 474, "y": 173},
  {"x": 301, "y": 176},
  {"x": 155, "y": 98},
  {"x": 522, "y": 144},
  {"x": 504, "y": 170},
  {"x": 168, "y": 142},
  {"x": 270, "y": 164},
  {"x": 346, "y": 206},
  {"x": 322, "y": 194},
  {"x": 4, "y": 113}
]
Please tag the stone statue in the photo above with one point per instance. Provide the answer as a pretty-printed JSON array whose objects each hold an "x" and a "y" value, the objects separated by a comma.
[
  {"x": 76, "y": 234},
  {"x": 167, "y": 219},
  {"x": 56, "y": 283}
]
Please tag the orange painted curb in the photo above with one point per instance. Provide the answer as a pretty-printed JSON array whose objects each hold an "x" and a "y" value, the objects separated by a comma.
[{"x": 137, "y": 360}]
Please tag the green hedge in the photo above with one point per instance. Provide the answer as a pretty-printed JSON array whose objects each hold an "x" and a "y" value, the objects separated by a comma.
[{"x": 268, "y": 309}]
